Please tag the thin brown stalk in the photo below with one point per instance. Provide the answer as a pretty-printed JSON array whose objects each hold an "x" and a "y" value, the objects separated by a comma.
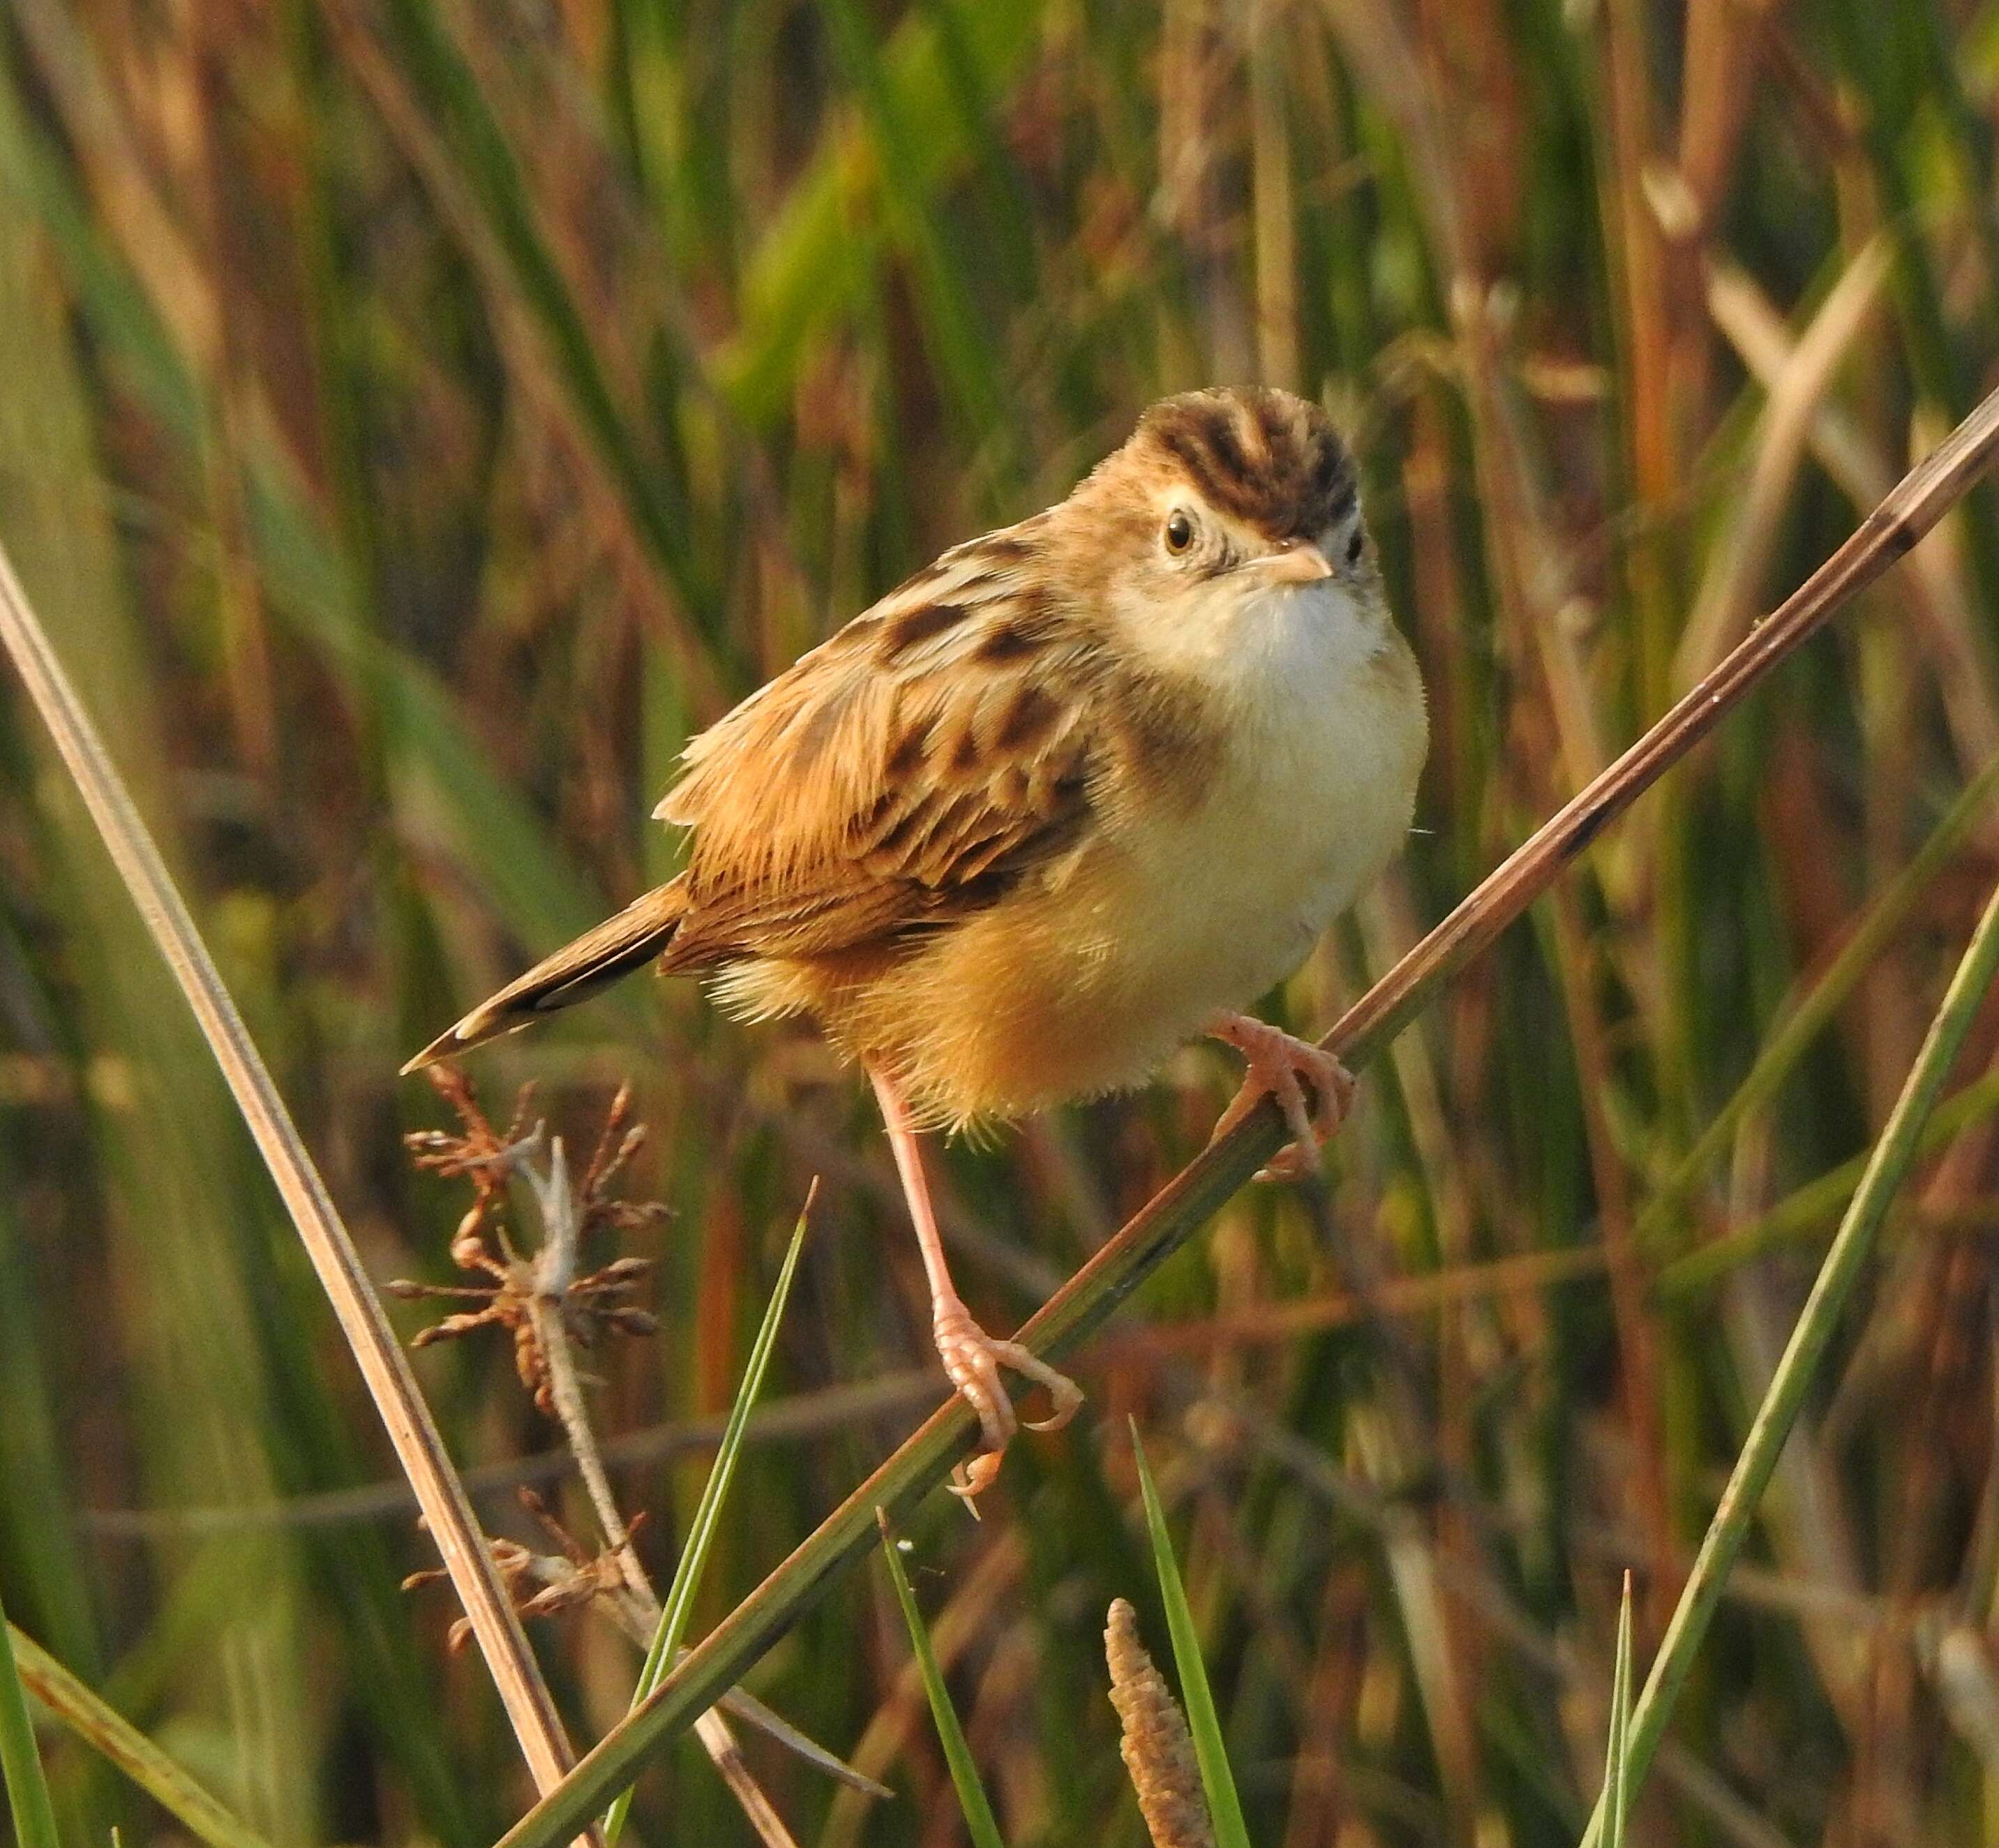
[
  {"x": 1734, "y": 573},
  {"x": 1719, "y": 65},
  {"x": 555, "y": 1270},
  {"x": 1082, "y": 1305},
  {"x": 447, "y": 1512}
]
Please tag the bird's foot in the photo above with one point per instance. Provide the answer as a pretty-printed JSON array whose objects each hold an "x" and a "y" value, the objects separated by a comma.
[
  {"x": 973, "y": 1358},
  {"x": 1282, "y": 1067}
]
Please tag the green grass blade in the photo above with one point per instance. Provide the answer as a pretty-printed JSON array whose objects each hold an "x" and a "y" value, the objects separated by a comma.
[
  {"x": 1801, "y": 1025},
  {"x": 980, "y": 1821},
  {"x": 1617, "y": 1754},
  {"x": 27, "y": 1790},
  {"x": 679, "y": 1601},
  {"x": 807, "y": 268},
  {"x": 108, "y": 1732},
  {"x": 1224, "y": 1808},
  {"x": 439, "y": 74},
  {"x": 1893, "y": 1156}
]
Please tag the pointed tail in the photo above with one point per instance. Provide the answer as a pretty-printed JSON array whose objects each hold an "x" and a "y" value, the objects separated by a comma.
[{"x": 618, "y": 945}]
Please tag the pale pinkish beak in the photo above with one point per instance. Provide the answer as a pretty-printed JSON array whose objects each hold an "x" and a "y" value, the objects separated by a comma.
[{"x": 1299, "y": 563}]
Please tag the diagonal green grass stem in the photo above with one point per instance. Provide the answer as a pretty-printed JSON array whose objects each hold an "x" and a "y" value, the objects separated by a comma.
[
  {"x": 679, "y": 1605},
  {"x": 120, "y": 1742},
  {"x": 1217, "y": 1779},
  {"x": 1893, "y": 1156}
]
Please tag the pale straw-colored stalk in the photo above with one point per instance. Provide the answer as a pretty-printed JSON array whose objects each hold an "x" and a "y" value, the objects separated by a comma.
[{"x": 447, "y": 1512}]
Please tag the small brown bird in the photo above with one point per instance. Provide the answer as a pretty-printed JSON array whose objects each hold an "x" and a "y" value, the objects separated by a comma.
[{"x": 1077, "y": 792}]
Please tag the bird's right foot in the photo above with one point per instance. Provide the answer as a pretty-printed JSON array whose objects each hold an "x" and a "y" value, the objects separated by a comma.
[{"x": 972, "y": 1359}]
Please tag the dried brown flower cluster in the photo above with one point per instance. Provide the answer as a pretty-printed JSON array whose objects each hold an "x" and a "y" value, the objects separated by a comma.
[
  {"x": 591, "y": 1305},
  {"x": 544, "y": 1584},
  {"x": 1158, "y": 1749}
]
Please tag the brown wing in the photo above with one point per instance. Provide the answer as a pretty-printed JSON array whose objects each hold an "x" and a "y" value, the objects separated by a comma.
[{"x": 906, "y": 772}]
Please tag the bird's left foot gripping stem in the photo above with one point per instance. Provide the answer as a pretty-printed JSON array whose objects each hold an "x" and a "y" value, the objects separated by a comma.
[
  {"x": 1281, "y": 1067},
  {"x": 971, "y": 1357}
]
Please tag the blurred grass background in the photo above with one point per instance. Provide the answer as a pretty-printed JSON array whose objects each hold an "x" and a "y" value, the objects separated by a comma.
[{"x": 417, "y": 416}]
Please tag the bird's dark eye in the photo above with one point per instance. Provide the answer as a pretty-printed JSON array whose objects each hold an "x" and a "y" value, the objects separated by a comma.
[
  {"x": 1353, "y": 546},
  {"x": 1179, "y": 532}
]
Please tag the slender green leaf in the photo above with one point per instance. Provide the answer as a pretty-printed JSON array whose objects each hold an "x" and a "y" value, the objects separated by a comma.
[
  {"x": 972, "y": 1798},
  {"x": 679, "y": 1602},
  {"x": 1893, "y": 1156},
  {"x": 27, "y": 1790},
  {"x": 1617, "y": 1752},
  {"x": 1225, "y": 1808}
]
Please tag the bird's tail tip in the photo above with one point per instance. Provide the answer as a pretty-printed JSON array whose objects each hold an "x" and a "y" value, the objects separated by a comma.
[
  {"x": 454, "y": 1039},
  {"x": 442, "y": 1047},
  {"x": 637, "y": 934}
]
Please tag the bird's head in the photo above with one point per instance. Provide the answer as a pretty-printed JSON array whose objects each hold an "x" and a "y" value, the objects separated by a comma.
[{"x": 1219, "y": 501}]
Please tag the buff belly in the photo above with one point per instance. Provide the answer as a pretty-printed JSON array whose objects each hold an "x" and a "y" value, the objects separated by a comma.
[{"x": 1087, "y": 979}]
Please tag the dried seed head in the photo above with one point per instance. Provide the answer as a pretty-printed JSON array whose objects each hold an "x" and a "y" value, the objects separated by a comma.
[
  {"x": 467, "y": 1248},
  {"x": 1158, "y": 1752}
]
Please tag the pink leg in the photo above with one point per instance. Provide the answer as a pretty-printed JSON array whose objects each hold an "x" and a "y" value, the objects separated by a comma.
[
  {"x": 1281, "y": 1067},
  {"x": 971, "y": 1356}
]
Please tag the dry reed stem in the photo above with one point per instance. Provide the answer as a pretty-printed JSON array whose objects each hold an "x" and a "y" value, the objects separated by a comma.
[
  {"x": 1159, "y": 1229},
  {"x": 555, "y": 1265},
  {"x": 447, "y": 1512},
  {"x": 1736, "y": 567}
]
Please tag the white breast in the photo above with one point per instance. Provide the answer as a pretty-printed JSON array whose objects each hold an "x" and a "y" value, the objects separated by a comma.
[
  {"x": 1176, "y": 910},
  {"x": 1313, "y": 796}
]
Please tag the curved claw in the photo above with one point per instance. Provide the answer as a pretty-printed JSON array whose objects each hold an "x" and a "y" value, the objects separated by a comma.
[
  {"x": 972, "y": 1478},
  {"x": 1065, "y": 1393}
]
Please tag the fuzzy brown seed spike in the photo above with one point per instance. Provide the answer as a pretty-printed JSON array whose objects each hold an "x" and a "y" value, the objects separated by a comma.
[{"x": 1159, "y": 1751}]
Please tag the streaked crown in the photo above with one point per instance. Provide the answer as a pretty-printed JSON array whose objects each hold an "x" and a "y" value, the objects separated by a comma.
[{"x": 1261, "y": 456}]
